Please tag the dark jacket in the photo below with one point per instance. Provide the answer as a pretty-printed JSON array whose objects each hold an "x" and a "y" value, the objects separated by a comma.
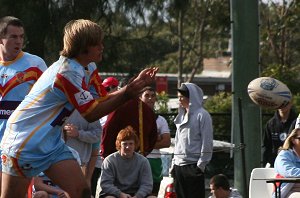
[{"x": 274, "y": 136}]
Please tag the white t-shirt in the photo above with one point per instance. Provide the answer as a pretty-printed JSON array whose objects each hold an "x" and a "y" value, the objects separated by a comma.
[{"x": 162, "y": 128}]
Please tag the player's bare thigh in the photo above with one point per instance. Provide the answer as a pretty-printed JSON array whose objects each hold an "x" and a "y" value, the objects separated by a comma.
[
  {"x": 69, "y": 177},
  {"x": 9, "y": 183}
]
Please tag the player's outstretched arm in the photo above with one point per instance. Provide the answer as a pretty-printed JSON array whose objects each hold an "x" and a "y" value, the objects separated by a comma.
[{"x": 114, "y": 100}]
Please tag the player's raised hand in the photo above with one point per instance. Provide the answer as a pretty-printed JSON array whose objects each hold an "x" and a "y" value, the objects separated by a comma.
[
  {"x": 148, "y": 74},
  {"x": 145, "y": 78}
]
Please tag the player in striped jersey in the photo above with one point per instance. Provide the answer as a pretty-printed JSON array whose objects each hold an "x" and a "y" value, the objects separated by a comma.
[
  {"x": 18, "y": 70},
  {"x": 32, "y": 141}
]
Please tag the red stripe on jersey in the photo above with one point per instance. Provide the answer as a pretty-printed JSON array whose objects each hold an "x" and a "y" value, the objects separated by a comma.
[
  {"x": 69, "y": 89},
  {"x": 97, "y": 83},
  {"x": 32, "y": 73}
]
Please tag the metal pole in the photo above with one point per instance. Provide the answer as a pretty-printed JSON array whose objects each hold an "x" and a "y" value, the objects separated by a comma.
[
  {"x": 245, "y": 67},
  {"x": 242, "y": 144}
]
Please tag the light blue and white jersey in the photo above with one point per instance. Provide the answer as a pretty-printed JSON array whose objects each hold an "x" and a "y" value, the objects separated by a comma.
[
  {"x": 34, "y": 129},
  {"x": 16, "y": 79}
]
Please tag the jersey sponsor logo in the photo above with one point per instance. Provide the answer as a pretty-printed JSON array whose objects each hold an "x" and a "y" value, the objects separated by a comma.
[
  {"x": 7, "y": 108},
  {"x": 5, "y": 112},
  {"x": 83, "y": 97}
]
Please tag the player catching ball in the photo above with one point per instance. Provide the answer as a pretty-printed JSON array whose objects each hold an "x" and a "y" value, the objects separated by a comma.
[{"x": 32, "y": 140}]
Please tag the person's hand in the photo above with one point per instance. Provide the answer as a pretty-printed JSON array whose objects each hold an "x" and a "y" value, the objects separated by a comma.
[
  {"x": 148, "y": 75},
  {"x": 201, "y": 168},
  {"x": 71, "y": 130},
  {"x": 145, "y": 78},
  {"x": 124, "y": 195},
  {"x": 62, "y": 194}
]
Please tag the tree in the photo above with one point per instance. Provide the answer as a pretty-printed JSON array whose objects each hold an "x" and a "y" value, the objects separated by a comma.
[
  {"x": 279, "y": 32},
  {"x": 137, "y": 33},
  {"x": 197, "y": 24},
  {"x": 35, "y": 17},
  {"x": 280, "y": 55}
]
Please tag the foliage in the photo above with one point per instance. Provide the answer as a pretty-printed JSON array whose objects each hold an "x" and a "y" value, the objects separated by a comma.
[
  {"x": 220, "y": 103},
  {"x": 137, "y": 33},
  {"x": 162, "y": 102},
  {"x": 296, "y": 102},
  {"x": 195, "y": 25},
  {"x": 132, "y": 54},
  {"x": 142, "y": 33},
  {"x": 161, "y": 108}
]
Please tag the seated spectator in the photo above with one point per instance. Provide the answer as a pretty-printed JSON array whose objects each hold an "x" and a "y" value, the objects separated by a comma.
[
  {"x": 287, "y": 164},
  {"x": 125, "y": 173},
  {"x": 111, "y": 85},
  {"x": 220, "y": 188},
  {"x": 43, "y": 187}
]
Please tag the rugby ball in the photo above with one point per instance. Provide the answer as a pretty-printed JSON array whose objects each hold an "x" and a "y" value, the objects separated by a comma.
[{"x": 269, "y": 93}]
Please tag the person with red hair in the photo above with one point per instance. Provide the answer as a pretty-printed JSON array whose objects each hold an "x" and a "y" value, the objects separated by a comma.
[
  {"x": 126, "y": 173},
  {"x": 94, "y": 167}
]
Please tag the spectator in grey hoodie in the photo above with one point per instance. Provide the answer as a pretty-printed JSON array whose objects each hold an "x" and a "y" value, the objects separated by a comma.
[{"x": 193, "y": 142}]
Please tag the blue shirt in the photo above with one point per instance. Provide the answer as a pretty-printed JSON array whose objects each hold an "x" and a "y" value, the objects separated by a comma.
[{"x": 287, "y": 164}]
